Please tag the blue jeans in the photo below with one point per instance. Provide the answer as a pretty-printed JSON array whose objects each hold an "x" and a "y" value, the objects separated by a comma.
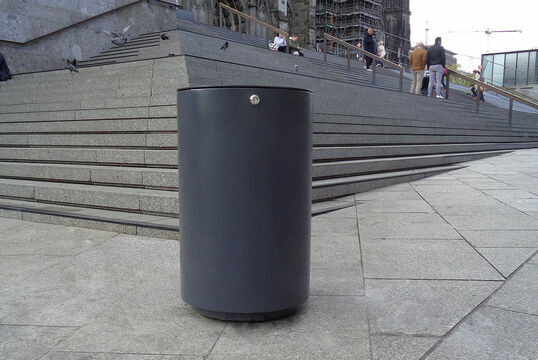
[{"x": 436, "y": 75}]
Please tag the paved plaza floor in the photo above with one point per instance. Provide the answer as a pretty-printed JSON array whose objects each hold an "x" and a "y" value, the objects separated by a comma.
[{"x": 441, "y": 268}]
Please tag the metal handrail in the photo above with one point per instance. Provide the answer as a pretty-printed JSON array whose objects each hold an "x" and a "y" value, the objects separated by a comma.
[
  {"x": 493, "y": 88},
  {"x": 365, "y": 53},
  {"x": 253, "y": 19}
]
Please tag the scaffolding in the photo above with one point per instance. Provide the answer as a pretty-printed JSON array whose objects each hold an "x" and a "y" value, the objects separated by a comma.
[{"x": 347, "y": 20}]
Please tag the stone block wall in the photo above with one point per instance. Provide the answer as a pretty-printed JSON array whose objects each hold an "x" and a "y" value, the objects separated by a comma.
[{"x": 38, "y": 35}]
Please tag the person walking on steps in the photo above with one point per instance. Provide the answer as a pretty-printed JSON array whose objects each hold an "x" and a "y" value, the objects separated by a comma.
[
  {"x": 435, "y": 60},
  {"x": 475, "y": 88},
  {"x": 381, "y": 52},
  {"x": 417, "y": 60},
  {"x": 369, "y": 45}
]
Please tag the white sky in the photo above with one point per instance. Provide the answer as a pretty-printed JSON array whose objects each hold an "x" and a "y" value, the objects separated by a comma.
[{"x": 457, "y": 15}]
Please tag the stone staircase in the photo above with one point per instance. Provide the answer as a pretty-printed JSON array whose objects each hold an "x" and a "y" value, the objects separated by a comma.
[{"x": 98, "y": 148}]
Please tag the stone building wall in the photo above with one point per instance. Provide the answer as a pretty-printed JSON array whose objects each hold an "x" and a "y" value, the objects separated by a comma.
[
  {"x": 40, "y": 35},
  {"x": 397, "y": 28}
]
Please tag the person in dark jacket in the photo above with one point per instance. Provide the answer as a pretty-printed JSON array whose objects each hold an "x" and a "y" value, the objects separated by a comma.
[
  {"x": 369, "y": 44},
  {"x": 5, "y": 74},
  {"x": 435, "y": 60}
]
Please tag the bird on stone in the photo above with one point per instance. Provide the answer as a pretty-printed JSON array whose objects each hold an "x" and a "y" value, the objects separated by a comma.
[
  {"x": 224, "y": 46},
  {"x": 71, "y": 65},
  {"x": 296, "y": 67},
  {"x": 164, "y": 37},
  {"x": 118, "y": 38}
]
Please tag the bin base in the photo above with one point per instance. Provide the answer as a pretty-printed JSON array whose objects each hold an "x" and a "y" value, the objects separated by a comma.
[{"x": 253, "y": 317}]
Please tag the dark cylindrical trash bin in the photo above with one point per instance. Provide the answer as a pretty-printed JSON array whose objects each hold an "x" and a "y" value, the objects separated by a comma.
[{"x": 245, "y": 164}]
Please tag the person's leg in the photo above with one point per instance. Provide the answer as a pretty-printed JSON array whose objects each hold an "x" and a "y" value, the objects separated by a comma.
[
  {"x": 282, "y": 49},
  {"x": 473, "y": 91},
  {"x": 368, "y": 62},
  {"x": 432, "y": 80},
  {"x": 420, "y": 76},
  {"x": 413, "y": 81},
  {"x": 482, "y": 96},
  {"x": 438, "y": 78}
]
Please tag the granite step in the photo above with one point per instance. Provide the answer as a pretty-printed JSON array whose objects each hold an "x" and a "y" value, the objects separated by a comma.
[
  {"x": 92, "y": 196},
  {"x": 139, "y": 177},
  {"x": 346, "y": 168},
  {"x": 327, "y": 189},
  {"x": 91, "y": 156}
]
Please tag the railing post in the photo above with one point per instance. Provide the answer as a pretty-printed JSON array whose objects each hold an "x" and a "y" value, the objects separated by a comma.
[
  {"x": 447, "y": 83},
  {"x": 221, "y": 17},
  {"x": 267, "y": 37},
  {"x": 510, "y": 107},
  {"x": 373, "y": 71},
  {"x": 401, "y": 80},
  {"x": 240, "y": 27},
  {"x": 287, "y": 43},
  {"x": 348, "y": 55},
  {"x": 477, "y": 97},
  {"x": 324, "y": 48}
]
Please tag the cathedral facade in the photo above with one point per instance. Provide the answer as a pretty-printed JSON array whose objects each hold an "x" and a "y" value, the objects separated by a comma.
[
  {"x": 294, "y": 16},
  {"x": 309, "y": 19}
]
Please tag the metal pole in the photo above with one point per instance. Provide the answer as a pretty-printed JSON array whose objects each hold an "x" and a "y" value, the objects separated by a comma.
[
  {"x": 477, "y": 97},
  {"x": 348, "y": 55},
  {"x": 267, "y": 37},
  {"x": 240, "y": 30},
  {"x": 401, "y": 80},
  {"x": 221, "y": 17},
  {"x": 373, "y": 71},
  {"x": 447, "y": 83},
  {"x": 324, "y": 48},
  {"x": 510, "y": 112}
]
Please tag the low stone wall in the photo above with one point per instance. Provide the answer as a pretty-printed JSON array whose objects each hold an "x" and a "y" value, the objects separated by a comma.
[{"x": 26, "y": 49}]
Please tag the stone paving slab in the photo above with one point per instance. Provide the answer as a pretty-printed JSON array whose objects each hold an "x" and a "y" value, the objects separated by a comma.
[
  {"x": 328, "y": 327},
  {"x": 502, "y": 238},
  {"x": 422, "y": 307},
  {"x": 398, "y": 347},
  {"x": 507, "y": 260},
  {"x": 405, "y": 225},
  {"x": 53, "y": 240},
  {"x": 335, "y": 265},
  {"x": 79, "y": 288},
  {"x": 424, "y": 259},
  {"x": 520, "y": 293},
  {"x": 151, "y": 319},
  {"x": 512, "y": 221},
  {"x": 491, "y": 334},
  {"x": 65, "y": 355},
  {"x": 14, "y": 269},
  {"x": 30, "y": 342},
  {"x": 400, "y": 274}
]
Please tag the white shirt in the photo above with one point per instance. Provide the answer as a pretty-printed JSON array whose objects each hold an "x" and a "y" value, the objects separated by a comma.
[{"x": 279, "y": 41}]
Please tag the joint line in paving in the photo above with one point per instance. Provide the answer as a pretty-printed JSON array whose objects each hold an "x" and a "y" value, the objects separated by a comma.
[
  {"x": 216, "y": 341},
  {"x": 363, "y": 283},
  {"x": 458, "y": 324},
  {"x": 459, "y": 233}
]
